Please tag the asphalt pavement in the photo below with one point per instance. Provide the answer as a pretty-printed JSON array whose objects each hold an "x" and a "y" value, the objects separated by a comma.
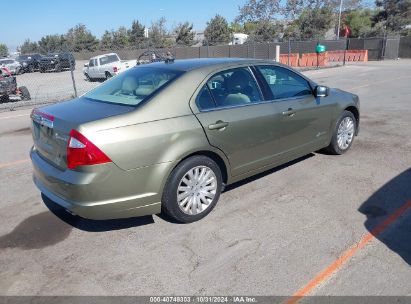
[{"x": 321, "y": 225}]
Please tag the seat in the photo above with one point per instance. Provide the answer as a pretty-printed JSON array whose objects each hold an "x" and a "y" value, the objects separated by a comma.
[
  {"x": 129, "y": 86},
  {"x": 237, "y": 87}
]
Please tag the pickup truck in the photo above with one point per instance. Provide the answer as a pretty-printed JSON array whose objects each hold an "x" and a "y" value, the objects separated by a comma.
[
  {"x": 57, "y": 62},
  {"x": 106, "y": 66}
]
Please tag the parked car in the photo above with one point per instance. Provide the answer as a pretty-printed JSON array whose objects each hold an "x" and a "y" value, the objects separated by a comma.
[
  {"x": 167, "y": 137},
  {"x": 106, "y": 66},
  {"x": 8, "y": 87},
  {"x": 29, "y": 63},
  {"x": 57, "y": 62},
  {"x": 13, "y": 66}
]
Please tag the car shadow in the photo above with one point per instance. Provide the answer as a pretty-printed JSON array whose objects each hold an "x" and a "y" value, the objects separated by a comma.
[
  {"x": 265, "y": 173},
  {"x": 95, "y": 225},
  {"x": 389, "y": 199}
]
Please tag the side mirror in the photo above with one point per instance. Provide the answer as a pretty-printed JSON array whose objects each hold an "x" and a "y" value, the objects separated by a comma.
[
  {"x": 86, "y": 65},
  {"x": 321, "y": 91}
]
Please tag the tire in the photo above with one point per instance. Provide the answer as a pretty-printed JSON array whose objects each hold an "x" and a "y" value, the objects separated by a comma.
[
  {"x": 42, "y": 70},
  {"x": 192, "y": 197},
  {"x": 4, "y": 98},
  {"x": 31, "y": 69},
  {"x": 340, "y": 145},
  {"x": 108, "y": 75},
  {"x": 25, "y": 94},
  {"x": 88, "y": 77},
  {"x": 58, "y": 68}
]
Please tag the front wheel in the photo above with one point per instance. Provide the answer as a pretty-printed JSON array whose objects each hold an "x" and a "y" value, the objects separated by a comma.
[
  {"x": 192, "y": 190},
  {"x": 344, "y": 134}
]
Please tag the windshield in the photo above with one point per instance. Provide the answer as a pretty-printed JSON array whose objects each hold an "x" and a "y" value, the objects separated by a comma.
[{"x": 133, "y": 86}]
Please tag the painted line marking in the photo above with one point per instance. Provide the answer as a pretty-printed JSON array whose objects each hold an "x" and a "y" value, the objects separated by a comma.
[
  {"x": 325, "y": 274},
  {"x": 378, "y": 82},
  {"x": 17, "y": 162},
  {"x": 8, "y": 117}
]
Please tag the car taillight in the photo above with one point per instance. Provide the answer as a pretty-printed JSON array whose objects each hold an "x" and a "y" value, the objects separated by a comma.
[
  {"x": 115, "y": 69},
  {"x": 82, "y": 152}
]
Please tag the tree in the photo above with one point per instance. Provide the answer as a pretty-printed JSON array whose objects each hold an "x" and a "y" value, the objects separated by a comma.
[
  {"x": 259, "y": 10},
  {"x": 185, "y": 34},
  {"x": 52, "y": 43},
  {"x": 217, "y": 31},
  {"x": 266, "y": 31},
  {"x": 4, "y": 51},
  {"x": 120, "y": 38},
  {"x": 29, "y": 47},
  {"x": 106, "y": 41},
  {"x": 359, "y": 21},
  {"x": 79, "y": 38},
  {"x": 158, "y": 33},
  {"x": 294, "y": 8},
  {"x": 395, "y": 15},
  {"x": 311, "y": 24},
  {"x": 136, "y": 34}
]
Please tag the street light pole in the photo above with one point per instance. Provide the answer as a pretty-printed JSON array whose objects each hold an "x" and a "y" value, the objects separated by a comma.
[{"x": 339, "y": 20}]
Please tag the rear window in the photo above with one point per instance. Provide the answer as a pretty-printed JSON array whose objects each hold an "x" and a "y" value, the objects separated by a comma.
[
  {"x": 133, "y": 86},
  {"x": 108, "y": 59}
]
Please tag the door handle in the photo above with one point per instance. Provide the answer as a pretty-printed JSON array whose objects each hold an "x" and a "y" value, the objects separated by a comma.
[
  {"x": 218, "y": 125},
  {"x": 290, "y": 112}
]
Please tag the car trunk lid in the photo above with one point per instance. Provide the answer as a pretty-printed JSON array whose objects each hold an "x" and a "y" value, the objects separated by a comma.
[{"x": 51, "y": 125}]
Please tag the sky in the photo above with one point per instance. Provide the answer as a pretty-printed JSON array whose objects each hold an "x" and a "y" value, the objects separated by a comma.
[{"x": 37, "y": 18}]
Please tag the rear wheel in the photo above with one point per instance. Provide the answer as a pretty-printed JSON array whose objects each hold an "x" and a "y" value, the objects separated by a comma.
[
  {"x": 31, "y": 68},
  {"x": 108, "y": 75},
  {"x": 344, "y": 134},
  {"x": 4, "y": 98},
  {"x": 192, "y": 190},
  {"x": 25, "y": 94}
]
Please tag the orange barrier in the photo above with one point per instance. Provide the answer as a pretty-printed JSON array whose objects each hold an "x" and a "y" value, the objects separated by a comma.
[
  {"x": 294, "y": 57},
  {"x": 350, "y": 55},
  {"x": 310, "y": 59}
]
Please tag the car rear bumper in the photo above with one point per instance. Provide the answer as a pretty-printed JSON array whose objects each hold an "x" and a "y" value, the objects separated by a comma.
[{"x": 103, "y": 192}]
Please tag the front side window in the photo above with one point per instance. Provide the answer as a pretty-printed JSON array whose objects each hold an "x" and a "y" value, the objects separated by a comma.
[
  {"x": 284, "y": 83},
  {"x": 133, "y": 86},
  {"x": 91, "y": 63},
  {"x": 234, "y": 87}
]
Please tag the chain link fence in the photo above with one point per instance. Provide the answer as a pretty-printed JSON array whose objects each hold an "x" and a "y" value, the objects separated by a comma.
[{"x": 63, "y": 80}]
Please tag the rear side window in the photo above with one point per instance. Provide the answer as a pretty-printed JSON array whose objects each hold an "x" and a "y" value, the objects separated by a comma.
[
  {"x": 284, "y": 83},
  {"x": 204, "y": 99},
  {"x": 133, "y": 86}
]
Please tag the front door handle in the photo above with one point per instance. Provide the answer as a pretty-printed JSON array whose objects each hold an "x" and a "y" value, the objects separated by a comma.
[
  {"x": 218, "y": 125},
  {"x": 290, "y": 112}
]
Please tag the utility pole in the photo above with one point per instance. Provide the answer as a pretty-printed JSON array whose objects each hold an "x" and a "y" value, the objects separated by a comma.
[{"x": 339, "y": 20}]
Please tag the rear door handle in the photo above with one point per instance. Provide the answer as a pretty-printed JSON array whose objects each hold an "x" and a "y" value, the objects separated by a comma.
[
  {"x": 290, "y": 112},
  {"x": 218, "y": 125}
]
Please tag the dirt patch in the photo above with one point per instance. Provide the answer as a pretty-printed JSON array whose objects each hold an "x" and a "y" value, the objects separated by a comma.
[{"x": 36, "y": 232}]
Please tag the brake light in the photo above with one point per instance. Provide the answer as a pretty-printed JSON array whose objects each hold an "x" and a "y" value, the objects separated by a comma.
[
  {"x": 82, "y": 152},
  {"x": 115, "y": 69}
]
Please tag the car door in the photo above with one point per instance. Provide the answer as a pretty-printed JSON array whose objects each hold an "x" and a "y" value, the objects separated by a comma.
[
  {"x": 238, "y": 121},
  {"x": 305, "y": 119},
  {"x": 91, "y": 69}
]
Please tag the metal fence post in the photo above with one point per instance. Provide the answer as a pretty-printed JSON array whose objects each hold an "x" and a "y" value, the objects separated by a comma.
[
  {"x": 346, "y": 48},
  {"x": 289, "y": 50},
  {"x": 72, "y": 78}
]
